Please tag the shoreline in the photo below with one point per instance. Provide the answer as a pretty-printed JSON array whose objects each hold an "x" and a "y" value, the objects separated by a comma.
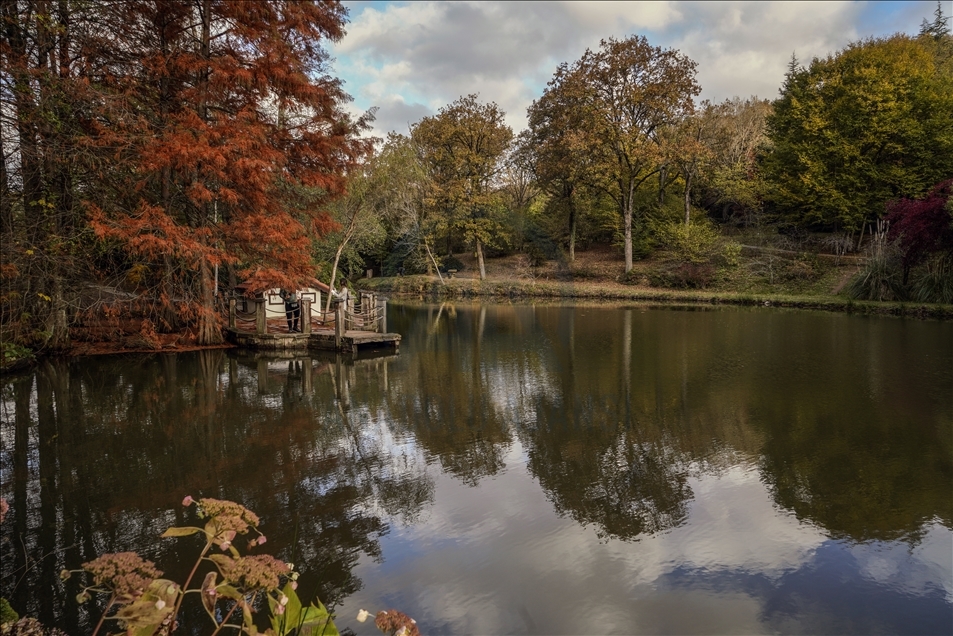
[
  {"x": 461, "y": 288},
  {"x": 430, "y": 288}
]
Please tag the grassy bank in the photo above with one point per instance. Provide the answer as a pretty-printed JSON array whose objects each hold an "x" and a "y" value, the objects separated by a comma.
[
  {"x": 759, "y": 276},
  {"x": 460, "y": 288}
]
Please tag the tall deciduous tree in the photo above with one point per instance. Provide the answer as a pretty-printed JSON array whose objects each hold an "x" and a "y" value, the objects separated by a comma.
[
  {"x": 358, "y": 225},
  {"x": 400, "y": 184},
  {"x": 736, "y": 140},
  {"x": 218, "y": 114},
  {"x": 852, "y": 131},
  {"x": 556, "y": 142},
  {"x": 462, "y": 147},
  {"x": 626, "y": 93},
  {"x": 44, "y": 95}
]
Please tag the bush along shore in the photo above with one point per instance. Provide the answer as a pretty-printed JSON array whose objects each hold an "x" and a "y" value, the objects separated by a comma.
[{"x": 463, "y": 288}]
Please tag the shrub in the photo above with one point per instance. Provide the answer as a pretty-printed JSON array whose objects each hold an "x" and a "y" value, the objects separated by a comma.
[
  {"x": 674, "y": 275},
  {"x": 933, "y": 283},
  {"x": 804, "y": 268},
  {"x": 730, "y": 254},
  {"x": 923, "y": 226},
  {"x": 7, "y": 614},
  {"x": 452, "y": 262},
  {"x": 14, "y": 353},
  {"x": 881, "y": 277},
  {"x": 695, "y": 243},
  {"x": 145, "y": 604}
]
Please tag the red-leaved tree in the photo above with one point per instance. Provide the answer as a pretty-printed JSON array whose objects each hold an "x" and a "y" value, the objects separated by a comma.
[
  {"x": 219, "y": 136},
  {"x": 923, "y": 226}
]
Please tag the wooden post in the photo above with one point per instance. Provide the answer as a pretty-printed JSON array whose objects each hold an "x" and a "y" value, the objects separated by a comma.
[
  {"x": 382, "y": 303},
  {"x": 261, "y": 324},
  {"x": 262, "y": 375},
  {"x": 338, "y": 325},
  {"x": 305, "y": 321},
  {"x": 231, "y": 313}
]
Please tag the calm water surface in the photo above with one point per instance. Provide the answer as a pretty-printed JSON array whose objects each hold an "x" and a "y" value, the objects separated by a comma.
[{"x": 522, "y": 469}]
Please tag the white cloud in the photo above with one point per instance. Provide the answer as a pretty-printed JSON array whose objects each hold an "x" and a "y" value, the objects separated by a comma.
[
  {"x": 498, "y": 559},
  {"x": 743, "y": 48},
  {"x": 413, "y": 59},
  {"x": 485, "y": 560},
  {"x": 632, "y": 15}
]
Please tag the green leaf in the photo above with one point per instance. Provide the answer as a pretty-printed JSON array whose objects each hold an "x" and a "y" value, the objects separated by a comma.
[
  {"x": 180, "y": 532},
  {"x": 229, "y": 592},
  {"x": 314, "y": 620},
  {"x": 246, "y": 614},
  {"x": 144, "y": 616},
  {"x": 317, "y": 622},
  {"x": 289, "y": 621}
]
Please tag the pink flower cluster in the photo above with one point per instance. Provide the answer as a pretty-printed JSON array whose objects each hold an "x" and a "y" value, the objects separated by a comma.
[
  {"x": 252, "y": 572},
  {"x": 228, "y": 519},
  {"x": 125, "y": 573},
  {"x": 238, "y": 516}
]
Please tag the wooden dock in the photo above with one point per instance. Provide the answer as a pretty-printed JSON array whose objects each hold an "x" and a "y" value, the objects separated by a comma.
[
  {"x": 318, "y": 339},
  {"x": 341, "y": 329}
]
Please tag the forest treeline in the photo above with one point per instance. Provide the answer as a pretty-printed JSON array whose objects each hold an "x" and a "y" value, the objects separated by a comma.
[{"x": 156, "y": 154}]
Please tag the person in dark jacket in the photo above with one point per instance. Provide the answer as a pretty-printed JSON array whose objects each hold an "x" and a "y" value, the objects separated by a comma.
[{"x": 292, "y": 310}]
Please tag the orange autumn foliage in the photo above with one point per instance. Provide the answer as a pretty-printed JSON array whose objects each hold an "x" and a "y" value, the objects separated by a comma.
[{"x": 220, "y": 138}]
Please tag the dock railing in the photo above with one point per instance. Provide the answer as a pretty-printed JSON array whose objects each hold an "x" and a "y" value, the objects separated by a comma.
[{"x": 369, "y": 314}]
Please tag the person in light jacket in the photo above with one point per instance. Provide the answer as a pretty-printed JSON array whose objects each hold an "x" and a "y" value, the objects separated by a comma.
[{"x": 344, "y": 295}]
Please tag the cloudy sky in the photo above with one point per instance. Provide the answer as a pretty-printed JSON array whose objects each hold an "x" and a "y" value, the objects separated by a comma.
[{"x": 412, "y": 58}]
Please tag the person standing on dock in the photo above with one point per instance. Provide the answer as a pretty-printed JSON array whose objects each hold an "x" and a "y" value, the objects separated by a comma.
[
  {"x": 292, "y": 310},
  {"x": 344, "y": 295}
]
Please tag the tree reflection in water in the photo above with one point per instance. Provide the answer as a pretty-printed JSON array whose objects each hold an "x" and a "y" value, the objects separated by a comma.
[
  {"x": 102, "y": 451},
  {"x": 617, "y": 413},
  {"x": 615, "y": 407}
]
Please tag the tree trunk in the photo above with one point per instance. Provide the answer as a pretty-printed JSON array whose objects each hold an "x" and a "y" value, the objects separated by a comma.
[
  {"x": 688, "y": 199},
  {"x": 26, "y": 113},
  {"x": 6, "y": 205},
  {"x": 479, "y": 251},
  {"x": 334, "y": 272},
  {"x": 57, "y": 323},
  {"x": 627, "y": 222},
  {"x": 169, "y": 320},
  {"x": 572, "y": 231},
  {"x": 208, "y": 330},
  {"x": 433, "y": 260},
  {"x": 568, "y": 188},
  {"x": 348, "y": 233}
]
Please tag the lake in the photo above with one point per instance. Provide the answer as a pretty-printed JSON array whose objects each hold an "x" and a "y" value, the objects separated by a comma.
[{"x": 521, "y": 469}]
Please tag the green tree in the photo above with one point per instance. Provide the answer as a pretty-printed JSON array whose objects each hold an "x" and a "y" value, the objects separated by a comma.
[
  {"x": 871, "y": 123},
  {"x": 358, "y": 225},
  {"x": 732, "y": 183},
  {"x": 462, "y": 147},
  {"x": 938, "y": 28},
  {"x": 400, "y": 182},
  {"x": 555, "y": 139},
  {"x": 621, "y": 98},
  {"x": 519, "y": 190}
]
